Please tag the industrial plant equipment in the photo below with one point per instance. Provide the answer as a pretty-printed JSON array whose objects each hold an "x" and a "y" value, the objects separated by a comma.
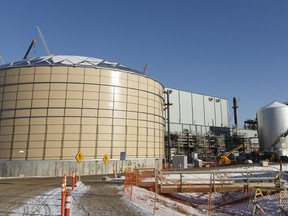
[{"x": 272, "y": 128}]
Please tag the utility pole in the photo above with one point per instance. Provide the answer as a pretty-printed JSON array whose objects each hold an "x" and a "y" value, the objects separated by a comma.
[{"x": 167, "y": 107}]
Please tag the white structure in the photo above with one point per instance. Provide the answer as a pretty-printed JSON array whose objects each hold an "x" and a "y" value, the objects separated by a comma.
[
  {"x": 272, "y": 122},
  {"x": 196, "y": 112}
]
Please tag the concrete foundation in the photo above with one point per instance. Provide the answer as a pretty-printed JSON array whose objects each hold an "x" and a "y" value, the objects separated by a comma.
[{"x": 59, "y": 167}]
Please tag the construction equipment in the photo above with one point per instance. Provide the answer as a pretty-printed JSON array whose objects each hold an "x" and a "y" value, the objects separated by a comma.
[
  {"x": 2, "y": 60},
  {"x": 33, "y": 42},
  {"x": 224, "y": 159},
  {"x": 43, "y": 41},
  {"x": 145, "y": 68}
]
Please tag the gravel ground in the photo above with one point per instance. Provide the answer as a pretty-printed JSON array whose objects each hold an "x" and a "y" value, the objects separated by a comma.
[
  {"x": 17, "y": 192},
  {"x": 106, "y": 199},
  {"x": 101, "y": 199}
]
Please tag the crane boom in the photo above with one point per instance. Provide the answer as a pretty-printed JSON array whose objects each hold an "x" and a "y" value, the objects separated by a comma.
[
  {"x": 224, "y": 160},
  {"x": 2, "y": 60},
  {"x": 43, "y": 40},
  {"x": 33, "y": 42},
  {"x": 233, "y": 150},
  {"x": 145, "y": 68}
]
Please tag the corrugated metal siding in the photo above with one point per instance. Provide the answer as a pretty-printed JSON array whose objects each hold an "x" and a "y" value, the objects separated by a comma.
[
  {"x": 198, "y": 109},
  {"x": 196, "y": 112},
  {"x": 174, "y": 109},
  {"x": 218, "y": 115},
  {"x": 224, "y": 113},
  {"x": 185, "y": 107},
  {"x": 209, "y": 111}
]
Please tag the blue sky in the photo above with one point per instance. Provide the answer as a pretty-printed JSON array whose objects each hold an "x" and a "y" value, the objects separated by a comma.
[{"x": 222, "y": 48}]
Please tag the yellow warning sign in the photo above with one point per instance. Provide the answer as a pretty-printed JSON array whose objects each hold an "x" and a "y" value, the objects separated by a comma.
[
  {"x": 105, "y": 158},
  {"x": 79, "y": 157}
]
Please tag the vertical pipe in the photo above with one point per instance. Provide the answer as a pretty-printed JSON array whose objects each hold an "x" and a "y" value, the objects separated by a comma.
[
  {"x": 235, "y": 112},
  {"x": 168, "y": 127}
]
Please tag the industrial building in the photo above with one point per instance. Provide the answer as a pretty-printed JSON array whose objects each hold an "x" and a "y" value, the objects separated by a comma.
[
  {"x": 54, "y": 106},
  {"x": 199, "y": 124},
  {"x": 197, "y": 113}
]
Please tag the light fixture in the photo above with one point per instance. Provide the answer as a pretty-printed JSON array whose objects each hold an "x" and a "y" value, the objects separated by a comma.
[{"x": 210, "y": 98}]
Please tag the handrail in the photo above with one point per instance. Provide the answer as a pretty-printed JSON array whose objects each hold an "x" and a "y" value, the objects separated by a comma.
[{"x": 182, "y": 180}]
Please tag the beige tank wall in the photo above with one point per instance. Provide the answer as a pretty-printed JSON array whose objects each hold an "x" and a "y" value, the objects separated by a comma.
[{"x": 50, "y": 113}]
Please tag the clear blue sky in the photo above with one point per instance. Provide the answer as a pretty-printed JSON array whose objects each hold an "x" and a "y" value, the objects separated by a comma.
[{"x": 222, "y": 48}]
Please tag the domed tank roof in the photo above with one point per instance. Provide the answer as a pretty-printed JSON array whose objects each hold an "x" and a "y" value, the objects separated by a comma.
[
  {"x": 66, "y": 60},
  {"x": 274, "y": 104}
]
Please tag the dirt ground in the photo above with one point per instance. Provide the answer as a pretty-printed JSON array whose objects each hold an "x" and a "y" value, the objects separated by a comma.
[
  {"x": 101, "y": 199},
  {"x": 16, "y": 192}
]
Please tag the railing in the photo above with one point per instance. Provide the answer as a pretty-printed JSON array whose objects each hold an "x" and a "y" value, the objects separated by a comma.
[{"x": 204, "y": 181}]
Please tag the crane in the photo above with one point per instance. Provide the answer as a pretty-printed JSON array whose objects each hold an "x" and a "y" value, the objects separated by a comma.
[
  {"x": 145, "y": 68},
  {"x": 224, "y": 159},
  {"x": 33, "y": 42},
  {"x": 2, "y": 60},
  {"x": 43, "y": 41}
]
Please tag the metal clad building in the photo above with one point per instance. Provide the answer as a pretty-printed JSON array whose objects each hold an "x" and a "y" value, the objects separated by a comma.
[
  {"x": 52, "y": 107},
  {"x": 196, "y": 112}
]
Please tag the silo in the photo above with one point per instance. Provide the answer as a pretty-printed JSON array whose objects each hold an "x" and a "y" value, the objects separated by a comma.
[
  {"x": 272, "y": 122},
  {"x": 54, "y": 106}
]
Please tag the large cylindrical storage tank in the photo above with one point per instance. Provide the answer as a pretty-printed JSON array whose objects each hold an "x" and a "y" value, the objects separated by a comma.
[
  {"x": 52, "y": 107},
  {"x": 272, "y": 122}
]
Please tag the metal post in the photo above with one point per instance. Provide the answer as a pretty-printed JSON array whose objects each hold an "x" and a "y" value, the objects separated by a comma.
[
  {"x": 168, "y": 127},
  {"x": 167, "y": 106},
  {"x": 188, "y": 146}
]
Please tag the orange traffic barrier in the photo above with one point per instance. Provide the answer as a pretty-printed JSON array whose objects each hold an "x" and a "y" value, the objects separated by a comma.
[
  {"x": 73, "y": 180},
  {"x": 63, "y": 193},
  {"x": 67, "y": 203}
]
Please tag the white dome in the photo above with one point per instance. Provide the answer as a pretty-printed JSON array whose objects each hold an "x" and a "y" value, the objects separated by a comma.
[{"x": 65, "y": 60}]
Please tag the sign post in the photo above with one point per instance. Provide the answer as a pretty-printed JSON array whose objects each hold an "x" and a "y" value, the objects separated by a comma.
[
  {"x": 105, "y": 160},
  {"x": 79, "y": 157},
  {"x": 122, "y": 158}
]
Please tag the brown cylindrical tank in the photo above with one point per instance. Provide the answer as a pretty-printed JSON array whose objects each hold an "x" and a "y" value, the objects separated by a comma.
[{"x": 52, "y": 107}]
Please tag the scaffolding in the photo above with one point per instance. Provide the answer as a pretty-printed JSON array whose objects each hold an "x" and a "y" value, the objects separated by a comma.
[{"x": 208, "y": 147}]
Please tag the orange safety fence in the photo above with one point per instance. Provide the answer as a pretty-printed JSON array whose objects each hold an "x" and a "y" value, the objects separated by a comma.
[{"x": 130, "y": 179}]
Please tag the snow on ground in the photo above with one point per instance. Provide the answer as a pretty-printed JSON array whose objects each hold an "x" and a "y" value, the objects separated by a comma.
[
  {"x": 145, "y": 200},
  {"x": 50, "y": 203}
]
